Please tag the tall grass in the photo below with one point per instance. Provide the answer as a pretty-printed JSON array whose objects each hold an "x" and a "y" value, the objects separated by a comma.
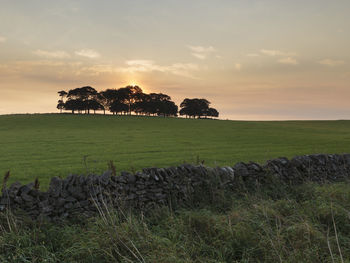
[{"x": 307, "y": 223}]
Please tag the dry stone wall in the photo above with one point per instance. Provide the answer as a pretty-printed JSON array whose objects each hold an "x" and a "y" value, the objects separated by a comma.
[{"x": 85, "y": 195}]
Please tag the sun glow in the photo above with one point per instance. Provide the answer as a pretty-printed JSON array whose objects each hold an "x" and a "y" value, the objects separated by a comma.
[{"x": 133, "y": 83}]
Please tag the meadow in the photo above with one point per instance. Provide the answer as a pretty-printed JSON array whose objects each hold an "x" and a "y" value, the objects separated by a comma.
[
  {"x": 47, "y": 145},
  {"x": 274, "y": 222}
]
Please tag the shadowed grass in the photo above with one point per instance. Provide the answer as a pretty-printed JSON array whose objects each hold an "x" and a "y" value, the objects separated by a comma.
[{"x": 310, "y": 223}]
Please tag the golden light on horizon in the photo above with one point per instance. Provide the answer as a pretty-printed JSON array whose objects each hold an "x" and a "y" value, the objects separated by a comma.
[
  {"x": 130, "y": 81},
  {"x": 135, "y": 83},
  {"x": 266, "y": 73}
]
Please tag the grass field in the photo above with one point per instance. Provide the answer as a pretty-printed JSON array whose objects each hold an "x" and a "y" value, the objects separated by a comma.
[
  {"x": 269, "y": 223},
  {"x": 50, "y": 145}
]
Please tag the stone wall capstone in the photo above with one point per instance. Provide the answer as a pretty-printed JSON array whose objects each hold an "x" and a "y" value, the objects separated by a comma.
[{"x": 85, "y": 195}]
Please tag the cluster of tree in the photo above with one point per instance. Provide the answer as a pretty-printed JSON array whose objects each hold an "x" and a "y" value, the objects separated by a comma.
[
  {"x": 130, "y": 99},
  {"x": 197, "y": 108},
  {"x": 81, "y": 99}
]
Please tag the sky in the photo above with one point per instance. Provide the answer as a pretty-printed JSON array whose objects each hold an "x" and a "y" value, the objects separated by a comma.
[{"x": 252, "y": 59}]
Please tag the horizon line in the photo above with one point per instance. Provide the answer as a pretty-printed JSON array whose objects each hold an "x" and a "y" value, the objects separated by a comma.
[{"x": 179, "y": 117}]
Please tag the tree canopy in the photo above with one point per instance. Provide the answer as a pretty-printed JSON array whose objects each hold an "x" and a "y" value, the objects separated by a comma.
[
  {"x": 197, "y": 108},
  {"x": 130, "y": 99}
]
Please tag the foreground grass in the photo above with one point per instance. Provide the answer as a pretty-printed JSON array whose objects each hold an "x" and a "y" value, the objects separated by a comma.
[
  {"x": 307, "y": 223},
  {"x": 55, "y": 145}
]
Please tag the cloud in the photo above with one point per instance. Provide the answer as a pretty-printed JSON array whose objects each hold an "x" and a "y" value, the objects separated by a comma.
[
  {"x": 275, "y": 53},
  {"x": 88, "y": 53},
  {"x": 78, "y": 68},
  {"x": 43, "y": 68},
  {"x": 6, "y": 70},
  {"x": 199, "y": 56},
  {"x": 181, "y": 69},
  {"x": 284, "y": 57},
  {"x": 39, "y": 63},
  {"x": 201, "y": 49},
  {"x": 331, "y": 62},
  {"x": 142, "y": 66},
  {"x": 201, "y": 52},
  {"x": 253, "y": 55},
  {"x": 96, "y": 70},
  {"x": 2, "y": 39},
  {"x": 52, "y": 54},
  {"x": 238, "y": 66},
  {"x": 288, "y": 61},
  {"x": 102, "y": 68}
]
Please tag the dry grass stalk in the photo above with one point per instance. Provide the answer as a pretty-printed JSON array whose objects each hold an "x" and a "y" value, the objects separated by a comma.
[
  {"x": 329, "y": 246},
  {"x": 112, "y": 167},
  {"x": 36, "y": 183},
  {"x": 336, "y": 235},
  {"x": 4, "y": 182},
  {"x": 109, "y": 219}
]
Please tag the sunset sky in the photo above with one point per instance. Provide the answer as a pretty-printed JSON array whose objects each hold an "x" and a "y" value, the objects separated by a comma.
[{"x": 254, "y": 60}]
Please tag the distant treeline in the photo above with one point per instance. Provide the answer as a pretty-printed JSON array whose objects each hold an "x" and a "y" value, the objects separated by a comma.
[{"x": 131, "y": 99}]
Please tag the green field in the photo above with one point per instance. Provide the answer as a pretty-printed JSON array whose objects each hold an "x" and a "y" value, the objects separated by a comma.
[
  {"x": 274, "y": 222},
  {"x": 50, "y": 145}
]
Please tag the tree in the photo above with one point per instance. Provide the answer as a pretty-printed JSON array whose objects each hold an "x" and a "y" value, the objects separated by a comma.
[
  {"x": 118, "y": 106},
  {"x": 83, "y": 93},
  {"x": 60, "y": 104},
  {"x": 131, "y": 99},
  {"x": 82, "y": 98},
  {"x": 107, "y": 97},
  {"x": 74, "y": 105},
  {"x": 156, "y": 104},
  {"x": 142, "y": 106},
  {"x": 212, "y": 112},
  {"x": 62, "y": 94},
  {"x": 196, "y": 108},
  {"x": 94, "y": 105},
  {"x": 130, "y": 95},
  {"x": 162, "y": 105},
  {"x": 169, "y": 108},
  {"x": 102, "y": 100}
]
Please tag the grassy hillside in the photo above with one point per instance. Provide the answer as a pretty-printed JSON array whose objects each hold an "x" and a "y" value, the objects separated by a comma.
[
  {"x": 266, "y": 223},
  {"x": 56, "y": 145}
]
